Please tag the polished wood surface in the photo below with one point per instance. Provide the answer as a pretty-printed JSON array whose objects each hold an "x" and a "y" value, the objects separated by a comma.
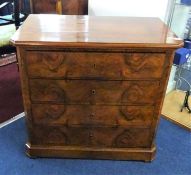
[
  {"x": 67, "y": 7},
  {"x": 93, "y": 87},
  {"x": 103, "y": 137},
  {"x": 94, "y": 65},
  {"x": 91, "y": 31},
  {"x": 94, "y": 91},
  {"x": 94, "y": 115}
]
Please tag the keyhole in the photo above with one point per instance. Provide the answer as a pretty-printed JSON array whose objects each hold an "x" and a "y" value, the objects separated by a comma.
[
  {"x": 91, "y": 135},
  {"x": 92, "y": 115},
  {"x": 93, "y": 91}
]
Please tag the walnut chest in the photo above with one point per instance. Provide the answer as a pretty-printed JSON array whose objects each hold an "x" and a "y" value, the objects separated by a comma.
[{"x": 93, "y": 87}]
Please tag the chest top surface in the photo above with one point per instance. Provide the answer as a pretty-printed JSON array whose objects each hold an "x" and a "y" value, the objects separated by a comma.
[{"x": 61, "y": 30}]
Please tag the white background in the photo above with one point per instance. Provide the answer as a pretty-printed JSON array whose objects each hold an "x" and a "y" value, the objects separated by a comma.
[{"x": 144, "y": 8}]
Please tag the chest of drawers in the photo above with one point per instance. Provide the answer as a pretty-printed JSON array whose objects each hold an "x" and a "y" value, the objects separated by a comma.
[{"x": 93, "y": 87}]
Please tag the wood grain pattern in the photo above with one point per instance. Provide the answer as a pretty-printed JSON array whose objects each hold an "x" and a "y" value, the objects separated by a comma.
[
  {"x": 69, "y": 7},
  {"x": 92, "y": 137},
  {"x": 92, "y": 115},
  {"x": 92, "y": 89},
  {"x": 85, "y": 65},
  {"x": 95, "y": 31},
  {"x": 146, "y": 154}
]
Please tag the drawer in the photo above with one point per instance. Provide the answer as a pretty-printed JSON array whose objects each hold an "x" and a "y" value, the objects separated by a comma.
[
  {"x": 71, "y": 65},
  {"x": 92, "y": 137},
  {"x": 93, "y": 92},
  {"x": 92, "y": 115}
]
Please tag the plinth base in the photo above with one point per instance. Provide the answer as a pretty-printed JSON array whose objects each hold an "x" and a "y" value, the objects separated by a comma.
[{"x": 144, "y": 154}]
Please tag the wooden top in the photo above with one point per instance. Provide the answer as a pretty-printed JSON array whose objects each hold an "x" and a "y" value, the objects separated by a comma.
[{"x": 91, "y": 31}]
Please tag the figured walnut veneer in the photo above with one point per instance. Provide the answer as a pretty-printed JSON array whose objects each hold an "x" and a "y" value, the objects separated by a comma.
[
  {"x": 95, "y": 65},
  {"x": 93, "y": 87}
]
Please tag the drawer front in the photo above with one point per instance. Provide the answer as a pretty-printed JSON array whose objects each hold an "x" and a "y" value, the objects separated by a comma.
[
  {"x": 92, "y": 115},
  {"x": 95, "y": 65},
  {"x": 92, "y": 137},
  {"x": 94, "y": 92}
]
